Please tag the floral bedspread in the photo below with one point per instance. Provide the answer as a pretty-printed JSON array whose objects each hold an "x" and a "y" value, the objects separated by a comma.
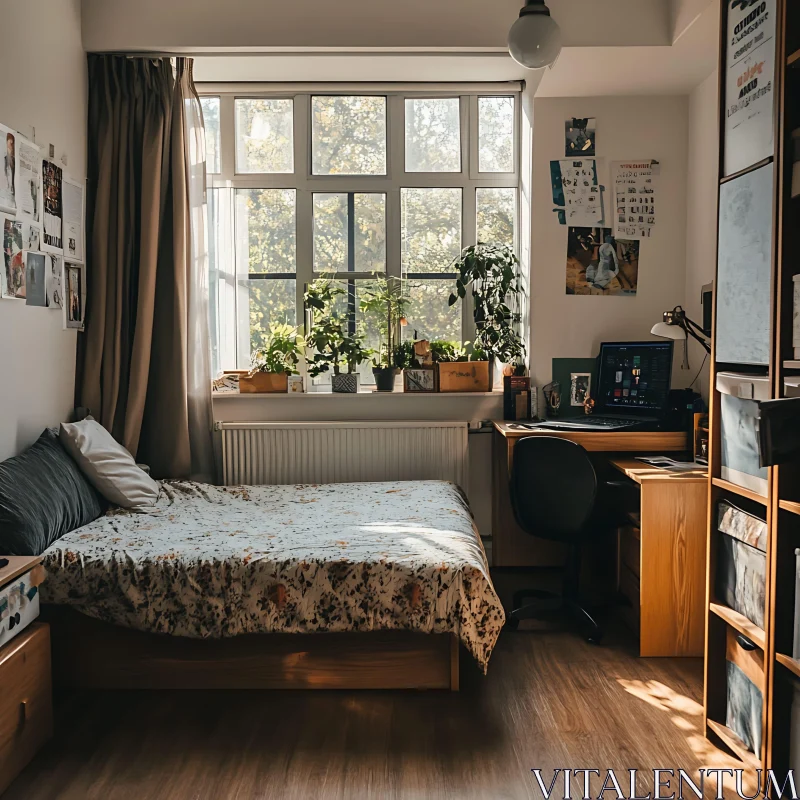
[{"x": 213, "y": 561}]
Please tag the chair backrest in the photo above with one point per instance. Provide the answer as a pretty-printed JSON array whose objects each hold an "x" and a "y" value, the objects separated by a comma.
[{"x": 553, "y": 487}]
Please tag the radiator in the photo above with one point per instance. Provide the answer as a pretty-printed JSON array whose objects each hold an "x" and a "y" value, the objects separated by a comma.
[{"x": 270, "y": 453}]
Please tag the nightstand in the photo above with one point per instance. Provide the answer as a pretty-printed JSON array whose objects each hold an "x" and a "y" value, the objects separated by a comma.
[{"x": 26, "y": 705}]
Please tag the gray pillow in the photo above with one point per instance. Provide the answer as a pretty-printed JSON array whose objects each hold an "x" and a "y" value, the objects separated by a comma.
[
  {"x": 108, "y": 466},
  {"x": 43, "y": 496}
]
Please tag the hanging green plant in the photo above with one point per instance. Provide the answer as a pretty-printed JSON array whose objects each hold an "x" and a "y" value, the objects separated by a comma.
[{"x": 491, "y": 273}]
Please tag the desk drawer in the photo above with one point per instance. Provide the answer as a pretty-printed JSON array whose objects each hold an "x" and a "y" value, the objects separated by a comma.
[
  {"x": 630, "y": 550},
  {"x": 26, "y": 713}
]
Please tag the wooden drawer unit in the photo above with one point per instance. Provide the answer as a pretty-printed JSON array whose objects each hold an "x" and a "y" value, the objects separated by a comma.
[
  {"x": 630, "y": 550},
  {"x": 661, "y": 560},
  {"x": 26, "y": 711}
]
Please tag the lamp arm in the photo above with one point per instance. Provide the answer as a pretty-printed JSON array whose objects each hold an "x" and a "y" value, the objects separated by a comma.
[{"x": 690, "y": 329}]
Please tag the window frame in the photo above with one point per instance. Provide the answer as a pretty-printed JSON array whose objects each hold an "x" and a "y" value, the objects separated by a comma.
[{"x": 306, "y": 184}]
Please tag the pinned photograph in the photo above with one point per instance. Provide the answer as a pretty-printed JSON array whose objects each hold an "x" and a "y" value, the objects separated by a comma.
[
  {"x": 8, "y": 180},
  {"x": 598, "y": 263},
  {"x": 53, "y": 204},
  {"x": 579, "y": 137},
  {"x": 36, "y": 292},
  {"x": 13, "y": 283},
  {"x": 75, "y": 290},
  {"x": 580, "y": 387},
  {"x": 28, "y": 180},
  {"x": 53, "y": 279}
]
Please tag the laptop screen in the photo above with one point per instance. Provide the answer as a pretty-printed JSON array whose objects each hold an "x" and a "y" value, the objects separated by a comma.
[{"x": 634, "y": 377}]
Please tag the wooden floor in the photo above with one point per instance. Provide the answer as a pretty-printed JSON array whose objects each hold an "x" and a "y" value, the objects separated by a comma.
[{"x": 549, "y": 701}]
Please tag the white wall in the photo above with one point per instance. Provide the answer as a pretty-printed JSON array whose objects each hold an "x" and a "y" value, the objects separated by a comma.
[
  {"x": 565, "y": 326},
  {"x": 701, "y": 209},
  {"x": 44, "y": 85},
  {"x": 208, "y": 25}
]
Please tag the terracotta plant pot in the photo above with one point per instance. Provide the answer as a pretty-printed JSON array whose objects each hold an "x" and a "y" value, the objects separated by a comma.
[
  {"x": 346, "y": 383},
  {"x": 264, "y": 383},
  {"x": 464, "y": 376}
]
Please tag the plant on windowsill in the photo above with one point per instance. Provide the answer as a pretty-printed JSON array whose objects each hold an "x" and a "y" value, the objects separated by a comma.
[
  {"x": 383, "y": 301},
  {"x": 457, "y": 371},
  {"x": 330, "y": 345},
  {"x": 274, "y": 361},
  {"x": 492, "y": 273}
]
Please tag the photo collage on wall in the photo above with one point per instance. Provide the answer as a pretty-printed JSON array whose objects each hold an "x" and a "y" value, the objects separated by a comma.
[{"x": 42, "y": 218}]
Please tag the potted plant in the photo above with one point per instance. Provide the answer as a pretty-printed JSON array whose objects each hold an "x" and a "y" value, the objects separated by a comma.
[
  {"x": 458, "y": 372},
  {"x": 492, "y": 273},
  {"x": 333, "y": 347},
  {"x": 274, "y": 361},
  {"x": 383, "y": 301}
]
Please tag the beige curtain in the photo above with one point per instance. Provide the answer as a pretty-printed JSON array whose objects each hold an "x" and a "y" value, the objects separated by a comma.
[{"x": 143, "y": 364}]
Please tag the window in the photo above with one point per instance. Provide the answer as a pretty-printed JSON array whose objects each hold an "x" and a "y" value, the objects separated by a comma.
[{"x": 351, "y": 184}]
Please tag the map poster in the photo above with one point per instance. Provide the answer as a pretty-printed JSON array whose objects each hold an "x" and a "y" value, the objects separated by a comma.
[{"x": 749, "y": 83}]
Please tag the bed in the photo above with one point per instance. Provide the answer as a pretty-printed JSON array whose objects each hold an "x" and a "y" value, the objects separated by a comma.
[{"x": 382, "y": 579}]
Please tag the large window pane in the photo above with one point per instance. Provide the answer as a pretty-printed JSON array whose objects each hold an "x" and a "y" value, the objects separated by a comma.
[
  {"x": 348, "y": 135},
  {"x": 270, "y": 301},
  {"x": 430, "y": 229},
  {"x": 496, "y": 134},
  {"x": 497, "y": 215},
  {"x": 332, "y": 232},
  {"x": 433, "y": 135},
  {"x": 370, "y": 232},
  {"x": 429, "y": 316},
  {"x": 210, "y": 106},
  {"x": 331, "y": 249},
  {"x": 264, "y": 135},
  {"x": 266, "y": 237}
]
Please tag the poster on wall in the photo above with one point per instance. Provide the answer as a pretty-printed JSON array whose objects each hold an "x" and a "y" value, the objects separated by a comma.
[
  {"x": 8, "y": 181},
  {"x": 52, "y": 207},
  {"x": 54, "y": 269},
  {"x": 13, "y": 279},
  {"x": 75, "y": 295},
  {"x": 29, "y": 181},
  {"x": 577, "y": 194},
  {"x": 580, "y": 137},
  {"x": 600, "y": 264},
  {"x": 73, "y": 218},
  {"x": 749, "y": 83},
  {"x": 36, "y": 293},
  {"x": 635, "y": 198}
]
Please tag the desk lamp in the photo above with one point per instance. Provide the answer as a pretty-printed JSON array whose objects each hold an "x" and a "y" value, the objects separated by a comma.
[{"x": 676, "y": 325}]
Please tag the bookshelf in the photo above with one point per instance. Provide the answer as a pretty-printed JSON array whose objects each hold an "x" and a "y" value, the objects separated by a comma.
[{"x": 780, "y": 506}]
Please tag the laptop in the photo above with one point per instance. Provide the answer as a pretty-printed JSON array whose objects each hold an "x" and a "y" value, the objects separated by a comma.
[{"x": 631, "y": 390}]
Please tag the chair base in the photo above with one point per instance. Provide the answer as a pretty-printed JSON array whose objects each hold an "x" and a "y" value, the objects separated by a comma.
[{"x": 548, "y": 601}]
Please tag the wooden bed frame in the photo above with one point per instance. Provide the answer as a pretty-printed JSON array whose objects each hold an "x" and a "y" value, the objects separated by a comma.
[{"x": 90, "y": 654}]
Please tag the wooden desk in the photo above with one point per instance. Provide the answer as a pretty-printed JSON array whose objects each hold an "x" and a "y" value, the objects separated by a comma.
[
  {"x": 661, "y": 560},
  {"x": 511, "y": 546}
]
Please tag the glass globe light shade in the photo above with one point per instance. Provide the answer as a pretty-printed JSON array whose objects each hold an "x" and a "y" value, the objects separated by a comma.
[{"x": 534, "y": 40}]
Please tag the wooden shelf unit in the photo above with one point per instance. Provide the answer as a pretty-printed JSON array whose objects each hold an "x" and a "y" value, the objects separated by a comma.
[
  {"x": 779, "y": 507},
  {"x": 739, "y": 490}
]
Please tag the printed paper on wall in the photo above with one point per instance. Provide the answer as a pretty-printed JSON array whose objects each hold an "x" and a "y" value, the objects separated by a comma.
[
  {"x": 576, "y": 192},
  {"x": 635, "y": 198}
]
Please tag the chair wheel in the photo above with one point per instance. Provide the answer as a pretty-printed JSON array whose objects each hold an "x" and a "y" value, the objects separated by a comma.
[{"x": 595, "y": 639}]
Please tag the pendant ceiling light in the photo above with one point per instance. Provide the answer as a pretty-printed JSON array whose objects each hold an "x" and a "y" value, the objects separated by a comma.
[{"x": 534, "y": 40}]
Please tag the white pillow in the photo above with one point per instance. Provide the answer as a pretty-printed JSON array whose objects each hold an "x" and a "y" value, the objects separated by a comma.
[{"x": 107, "y": 465}]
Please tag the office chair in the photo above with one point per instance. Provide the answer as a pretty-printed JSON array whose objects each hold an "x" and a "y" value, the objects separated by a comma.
[{"x": 553, "y": 493}]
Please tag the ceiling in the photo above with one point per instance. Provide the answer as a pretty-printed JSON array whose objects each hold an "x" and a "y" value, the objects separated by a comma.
[{"x": 579, "y": 71}]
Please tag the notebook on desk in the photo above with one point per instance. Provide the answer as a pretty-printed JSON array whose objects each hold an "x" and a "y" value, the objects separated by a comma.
[{"x": 632, "y": 391}]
